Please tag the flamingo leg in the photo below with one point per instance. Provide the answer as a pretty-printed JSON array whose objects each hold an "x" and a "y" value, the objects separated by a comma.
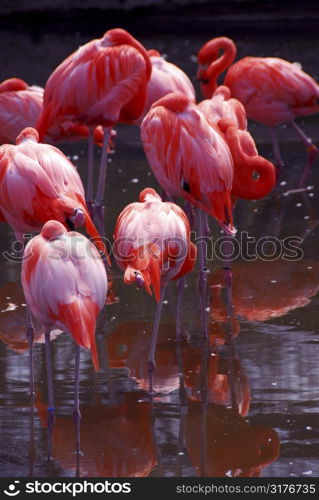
[
  {"x": 179, "y": 308},
  {"x": 204, "y": 398},
  {"x": 312, "y": 153},
  {"x": 275, "y": 146},
  {"x": 201, "y": 244},
  {"x": 89, "y": 193},
  {"x": 76, "y": 411},
  {"x": 151, "y": 356},
  {"x": 99, "y": 200},
  {"x": 51, "y": 409},
  {"x": 30, "y": 338},
  {"x": 228, "y": 276},
  {"x": 183, "y": 411}
]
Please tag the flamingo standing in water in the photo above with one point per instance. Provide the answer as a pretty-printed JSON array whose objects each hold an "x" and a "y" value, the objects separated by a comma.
[
  {"x": 190, "y": 158},
  {"x": 37, "y": 184},
  {"x": 21, "y": 106},
  {"x": 65, "y": 285},
  {"x": 273, "y": 90},
  {"x": 103, "y": 83},
  {"x": 229, "y": 115},
  {"x": 152, "y": 245}
]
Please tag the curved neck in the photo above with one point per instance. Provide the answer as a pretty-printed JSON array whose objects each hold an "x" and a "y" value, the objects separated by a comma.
[
  {"x": 13, "y": 84},
  {"x": 247, "y": 163},
  {"x": 215, "y": 64}
]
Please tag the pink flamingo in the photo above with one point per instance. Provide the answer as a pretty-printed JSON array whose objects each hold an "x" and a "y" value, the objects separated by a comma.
[
  {"x": 273, "y": 90},
  {"x": 21, "y": 106},
  {"x": 166, "y": 77},
  {"x": 230, "y": 117},
  {"x": 190, "y": 158},
  {"x": 37, "y": 184},
  {"x": 103, "y": 83},
  {"x": 65, "y": 285},
  {"x": 152, "y": 245}
]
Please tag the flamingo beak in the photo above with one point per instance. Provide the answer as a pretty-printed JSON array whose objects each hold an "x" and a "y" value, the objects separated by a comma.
[
  {"x": 139, "y": 280},
  {"x": 78, "y": 217}
]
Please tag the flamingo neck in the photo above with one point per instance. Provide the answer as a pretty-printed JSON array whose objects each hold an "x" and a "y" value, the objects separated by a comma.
[{"x": 215, "y": 64}]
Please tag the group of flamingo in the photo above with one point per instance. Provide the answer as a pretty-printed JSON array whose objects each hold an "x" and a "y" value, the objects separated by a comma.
[{"x": 202, "y": 153}]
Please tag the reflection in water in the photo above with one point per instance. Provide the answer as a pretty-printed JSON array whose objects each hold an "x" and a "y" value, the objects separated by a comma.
[
  {"x": 233, "y": 447},
  {"x": 263, "y": 290},
  {"x": 116, "y": 441},
  {"x": 13, "y": 319},
  {"x": 128, "y": 347}
]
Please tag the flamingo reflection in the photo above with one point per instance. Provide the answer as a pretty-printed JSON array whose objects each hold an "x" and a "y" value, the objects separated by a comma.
[
  {"x": 116, "y": 441},
  {"x": 266, "y": 289},
  {"x": 128, "y": 346}
]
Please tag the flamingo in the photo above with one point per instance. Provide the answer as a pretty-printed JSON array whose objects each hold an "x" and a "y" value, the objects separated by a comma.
[
  {"x": 65, "y": 285},
  {"x": 103, "y": 83},
  {"x": 273, "y": 90},
  {"x": 166, "y": 77},
  {"x": 230, "y": 117},
  {"x": 21, "y": 106},
  {"x": 37, "y": 184},
  {"x": 152, "y": 246},
  {"x": 190, "y": 158}
]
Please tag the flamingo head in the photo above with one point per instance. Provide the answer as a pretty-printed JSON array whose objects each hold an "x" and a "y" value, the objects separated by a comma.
[
  {"x": 76, "y": 219},
  {"x": 27, "y": 134}
]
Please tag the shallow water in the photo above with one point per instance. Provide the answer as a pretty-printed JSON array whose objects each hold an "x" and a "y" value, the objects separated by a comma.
[{"x": 253, "y": 407}]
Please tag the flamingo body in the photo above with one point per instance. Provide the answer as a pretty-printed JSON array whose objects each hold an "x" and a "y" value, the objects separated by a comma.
[
  {"x": 102, "y": 83},
  {"x": 38, "y": 183},
  {"x": 152, "y": 242},
  {"x": 64, "y": 284},
  {"x": 21, "y": 106},
  {"x": 189, "y": 156},
  {"x": 166, "y": 78}
]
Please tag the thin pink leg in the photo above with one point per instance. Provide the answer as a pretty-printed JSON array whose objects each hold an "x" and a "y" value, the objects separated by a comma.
[
  {"x": 89, "y": 193},
  {"x": 275, "y": 146},
  {"x": 179, "y": 307},
  {"x": 312, "y": 153},
  {"x": 99, "y": 200},
  {"x": 151, "y": 356},
  {"x": 201, "y": 244},
  {"x": 76, "y": 411},
  {"x": 51, "y": 409}
]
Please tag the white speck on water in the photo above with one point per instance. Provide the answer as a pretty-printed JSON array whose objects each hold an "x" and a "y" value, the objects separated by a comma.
[
  {"x": 113, "y": 318},
  {"x": 193, "y": 58},
  {"x": 24, "y": 305},
  {"x": 311, "y": 195},
  {"x": 309, "y": 267},
  {"x": 75, "y": 157},
  {"x": 181, "y": 453},
  {"x": 273, "y": 281},
  {"x": 124, "y": 190},
  {"x": 119, "y": 170},
  {"x": 274, "y": 384},
  {"x": 298, "y": 205},
  {"x": 309, "y": 428},
  {"x": 149, "y": 173},
  {"x": 283, "y": 183},
  {"x": 165, "y": 301},
  {"x": 8, "y": 298},
  {"x": 307, "y": 473},
  {"x": 135, "y": 180},
  {"x": 207, "y": 309},
  {"x": 109, "y": 160},
  {"x": 306, "y": 217},
  {"x": 291, "y": 463},
  {"x": 255, "y": 210}
]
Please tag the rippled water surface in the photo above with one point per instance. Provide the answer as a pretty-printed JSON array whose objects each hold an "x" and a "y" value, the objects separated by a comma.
[{"x": 245, "y": 407}]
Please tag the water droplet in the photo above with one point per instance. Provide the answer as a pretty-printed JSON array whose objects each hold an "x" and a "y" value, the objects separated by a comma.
[
  {"x": 298, "y": 205},
  {"x": 75, "y": 157},
  {"x": 165, "y": 301},
  {"x": 283, "y": 183},
  {"x": 306, "y": 217},
  {"x": 135, "y": 180},
  {"x": 309, "y": 428},
  {"x": 311, "y": 195},
  {"x": 273, "y": 281},
  {"x": 307, "y": 473}
]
